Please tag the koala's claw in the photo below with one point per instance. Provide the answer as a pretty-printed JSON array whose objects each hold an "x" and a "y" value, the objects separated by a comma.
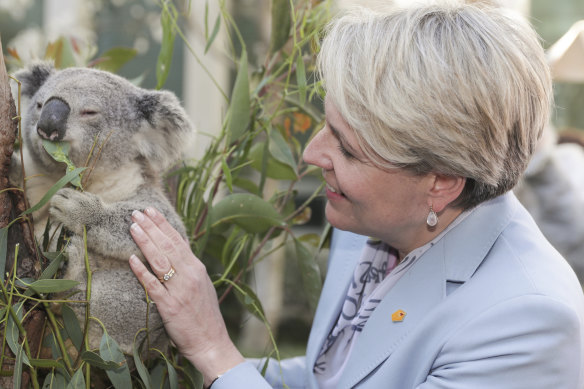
[{"x": 75, "y": 209}]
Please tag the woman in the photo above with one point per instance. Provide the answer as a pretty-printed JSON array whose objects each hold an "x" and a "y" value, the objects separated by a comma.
[{"x": 432, "y": 113}]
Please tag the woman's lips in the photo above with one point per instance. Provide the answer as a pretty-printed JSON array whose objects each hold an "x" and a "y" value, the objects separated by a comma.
[{"x": 332, "y": 193}]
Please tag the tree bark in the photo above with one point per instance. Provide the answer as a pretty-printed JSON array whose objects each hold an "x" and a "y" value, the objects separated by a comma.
[{"x": 12, "y": 204}]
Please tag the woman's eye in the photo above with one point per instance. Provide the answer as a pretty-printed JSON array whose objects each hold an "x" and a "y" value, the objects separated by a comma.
[{"x": 346, "y": 153}]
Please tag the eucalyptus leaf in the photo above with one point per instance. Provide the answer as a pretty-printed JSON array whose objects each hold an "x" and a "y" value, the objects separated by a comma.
[
  {"x": 142, "y": 371},
  {"x": 251, "y": 301},
  {"x": 94, "y": 359},
  {"x": 54, "y": 381},
  {"x": 310, "y": 273},
  {"x": 248, "y": 211},
  {"x": 17, "y": 375},
  {"x": 172, "y": 376},
  {"x": 12, "y": 332},
  {"x": 116, "y": 57},
  {"x": 281, "y": 23},
  {"x": 60, "y": 153},
  {"x": 274, "y": 168},
  {"x": 72, "y": 326},
  {"x": 109, "y": 350},
  {"x": 167, "y": 46},
  {"x": 77, "y": 381},
  {"x": 53, "y": 266},
  {"x": 280, "y": 150},
  {"x": 213, "y": 33},
  {"x": 227, "y": 174},
  {"x": 61, "y": 52},
  {"x": 52, "y": 285},
  {"x": 239, "y": 108},
  {"x": 301, "y": 79}
]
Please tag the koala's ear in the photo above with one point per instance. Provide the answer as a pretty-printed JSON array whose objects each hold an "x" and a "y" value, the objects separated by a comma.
[
  {"x": 167, "y": 130},
  {"x": 34, "y": 77}
]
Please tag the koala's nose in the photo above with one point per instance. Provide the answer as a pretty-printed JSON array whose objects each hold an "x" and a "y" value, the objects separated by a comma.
[{"x": 53, "y": 120}]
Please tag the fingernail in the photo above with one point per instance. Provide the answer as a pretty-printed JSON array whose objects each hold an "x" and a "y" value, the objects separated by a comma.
[
  {"x": 134, "y": 259},
  {"x": 136, "y": 228},
  {"x": 150, "y": 212},
  {"x": 138, "y": 216}
]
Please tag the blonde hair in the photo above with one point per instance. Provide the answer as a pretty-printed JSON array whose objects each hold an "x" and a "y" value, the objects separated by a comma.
[{"x": 457, "y": 89}]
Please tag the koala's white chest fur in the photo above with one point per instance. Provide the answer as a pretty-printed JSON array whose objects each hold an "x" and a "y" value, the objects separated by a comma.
[{"x": 116, "y": 185}]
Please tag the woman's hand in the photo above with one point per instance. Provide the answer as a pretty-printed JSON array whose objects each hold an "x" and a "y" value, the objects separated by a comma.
[{"x": 186, "y": 301}]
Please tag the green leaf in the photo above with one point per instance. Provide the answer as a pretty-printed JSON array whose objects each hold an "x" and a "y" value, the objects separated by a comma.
[
  {"x": 72, "y": 326},
  {"x": 62, "y": 53},
  {"x": 58, "y": 185},
  {"x": 274, "y": 169},
  {"x": 52, "y": 285},
  {"x": 60, "y": 153},
  {"x": 251, "y": 301},
  {"x": 213, "y": 34},
  {"x": 172, "y": 376},
  {"x": 109, "y": 350},
  {"x": 239, "y": 108},
  {"x": 167, "y": 46},
  {"x": 116, "y": 57},
  {"x": 13, "y": 333},
  {"x": 53, "y": 266},
  {"x": 310, "y": 273},
  {"x": 227, "y": 174},
  {"x": 142, "y": 371},
  {"x": 301, "y": 79},
  {"x": 18, "y": 367},
  {"x": 3, "y": 251},
  {"x": 248, "y": 211},
  {"x": 191, "y": 374},
  {"x": 95, "y": 360},
  {"x": 280, "y": 150},
  {"x": 54, "y": 381},
  {"x": 281, "y": 23},
  {"x": 246, "y": 184},
  {"x": 77, "y": 381}
]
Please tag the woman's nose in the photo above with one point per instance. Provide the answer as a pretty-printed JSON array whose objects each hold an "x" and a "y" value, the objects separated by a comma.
[{"x": 316, "y": 152}]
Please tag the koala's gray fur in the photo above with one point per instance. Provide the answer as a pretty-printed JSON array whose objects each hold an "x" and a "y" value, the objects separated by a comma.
[{"x": 143, "y": 133}]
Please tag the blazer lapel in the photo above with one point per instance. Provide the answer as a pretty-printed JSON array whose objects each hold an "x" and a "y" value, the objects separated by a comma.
[
  {"x": 455, "y": 257},
  {"x": 345, "y": 252}
]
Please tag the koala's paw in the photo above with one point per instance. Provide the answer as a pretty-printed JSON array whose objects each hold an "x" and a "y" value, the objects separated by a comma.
[{"x": 75, "y": 209}]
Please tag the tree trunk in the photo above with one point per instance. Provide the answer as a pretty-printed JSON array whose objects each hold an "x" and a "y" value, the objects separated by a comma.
[{"x": 12, "y": 204}]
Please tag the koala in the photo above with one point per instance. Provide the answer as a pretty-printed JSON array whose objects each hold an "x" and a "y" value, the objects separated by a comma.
[{"x": 127, "y": 137}]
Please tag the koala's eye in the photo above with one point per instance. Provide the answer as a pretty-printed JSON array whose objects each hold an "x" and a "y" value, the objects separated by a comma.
[
  {"x": 88, "y": 112},
  {"x": 39, "y": 105}
]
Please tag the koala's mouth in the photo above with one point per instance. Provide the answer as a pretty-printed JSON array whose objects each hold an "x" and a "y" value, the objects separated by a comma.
[{"x": 59, "y": 151}]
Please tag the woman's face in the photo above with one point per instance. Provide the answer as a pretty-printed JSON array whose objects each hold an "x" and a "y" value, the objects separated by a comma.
[{"x": 391, "y": 205}]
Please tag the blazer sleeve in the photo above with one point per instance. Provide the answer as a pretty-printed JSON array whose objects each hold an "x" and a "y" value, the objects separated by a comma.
[
  {"x": 288, "y": 373},
  {"x": 531, "y": 341}
]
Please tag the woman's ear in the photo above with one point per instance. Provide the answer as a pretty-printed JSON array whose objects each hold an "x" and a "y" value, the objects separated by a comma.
[{"x": 444, "y": 190}]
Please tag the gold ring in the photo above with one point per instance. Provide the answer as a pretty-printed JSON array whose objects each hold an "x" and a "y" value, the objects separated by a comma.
[{"x": 168, "y": 275}]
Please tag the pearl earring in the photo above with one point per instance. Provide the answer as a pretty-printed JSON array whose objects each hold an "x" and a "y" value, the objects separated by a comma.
[{"x": 432, "y": 218}]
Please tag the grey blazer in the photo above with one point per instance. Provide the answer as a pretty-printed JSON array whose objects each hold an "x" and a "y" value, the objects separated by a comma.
[{"x": 491, "y": 305}]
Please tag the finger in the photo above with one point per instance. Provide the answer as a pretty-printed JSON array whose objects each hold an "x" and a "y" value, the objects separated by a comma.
[
  {"x": 166, "y": 240},
  {"x": 153, "y": 287},
  {"x": 177, "y": 240},
  {"x": 157, "y": 259}
]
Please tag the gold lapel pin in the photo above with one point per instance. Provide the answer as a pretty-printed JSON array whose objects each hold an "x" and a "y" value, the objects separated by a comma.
[{"x": 398, "y": 315}]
